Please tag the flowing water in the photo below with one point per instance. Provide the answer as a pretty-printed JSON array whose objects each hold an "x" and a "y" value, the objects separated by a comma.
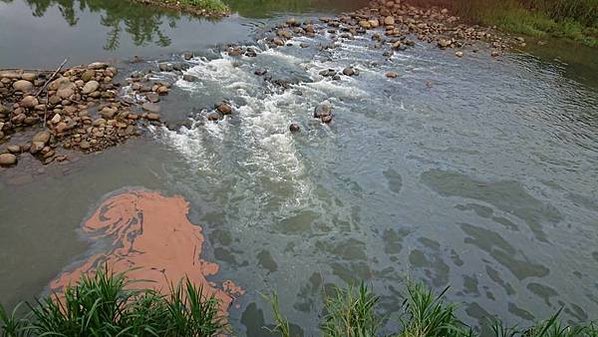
[{"x": 476, "y": 173}]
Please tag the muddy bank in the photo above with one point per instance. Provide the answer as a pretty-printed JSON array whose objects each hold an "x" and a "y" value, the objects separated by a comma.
[{"x": 151, "y": 238}]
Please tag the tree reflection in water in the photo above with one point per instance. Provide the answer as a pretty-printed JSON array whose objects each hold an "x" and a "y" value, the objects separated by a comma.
[{"x": 143, "y": 24}]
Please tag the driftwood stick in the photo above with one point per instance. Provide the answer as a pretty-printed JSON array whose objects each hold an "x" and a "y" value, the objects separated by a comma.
[{"x": 51, "y": 77}]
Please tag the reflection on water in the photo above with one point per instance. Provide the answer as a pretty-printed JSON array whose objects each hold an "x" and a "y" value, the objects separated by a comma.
[{"x": 142, "y": 23}]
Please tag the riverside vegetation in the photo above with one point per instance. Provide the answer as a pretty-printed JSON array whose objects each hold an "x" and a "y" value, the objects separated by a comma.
[{"x": 106, "y": 304}]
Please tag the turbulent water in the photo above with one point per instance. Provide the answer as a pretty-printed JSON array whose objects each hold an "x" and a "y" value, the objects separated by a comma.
[{"x": 477, "y": 173}]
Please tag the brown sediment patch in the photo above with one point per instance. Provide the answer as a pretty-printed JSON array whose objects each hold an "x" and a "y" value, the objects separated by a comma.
[{"x": 154, "y": 242}]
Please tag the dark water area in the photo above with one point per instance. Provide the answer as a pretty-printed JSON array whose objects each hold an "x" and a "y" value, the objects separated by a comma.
[{"x": 476, "y": 172}]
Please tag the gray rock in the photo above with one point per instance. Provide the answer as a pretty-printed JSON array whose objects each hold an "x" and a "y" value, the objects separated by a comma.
[
  {"x": 349, "y": 71},
  {"x": 98, "y": 65},
  {"x": 261, "y": 72},
  {"x": 189, "y": 78},
  {"x": 153, "y": 116},
  {"x": 294, "y": 127},
  {"x": 14, "y": 148}
]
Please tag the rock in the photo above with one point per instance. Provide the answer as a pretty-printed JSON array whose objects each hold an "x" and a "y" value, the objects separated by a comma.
[
  {"x": 108, "y": 112},
  {"x": 55, "y": 100},
  {"x": 61, "y": 127},
  {"x": 41, "y": 137},
  {"x": 444, "y": 43},
  {"x": 23, "y": 86},
  {"x": 261, "y": 72},
  {"x": 323, "y": 109},
  {"x": 162, "y": 90},
  {"x": 189, "y": 78},
  {"x": 151, "y": 107},
  {"x": 88, "y": 75},
  {"x": 294, "y": 127},
  {"x": 495, "y": 53},
  {"x": 29, "y": 77},
  {"x": 166, "y": 67},
  {"x": 224, "y": 108},
  {"x": 153, "y": 116},
  {"x": 8, "y": 159},
  {"x": 29, "y": 102},
  {"x": 152, "y": 97},
  {"x": 90, "y": 87},
  {"x": 14, "y": 148},
  {"x": 326, "y": 119},
  {"x": 98, "y": 65},
  {"x": 374, "y": 23},
  {"x": 84, "y": 145},
  {"x": 391, "y": 74},
  {"x": 365, "y": 24},
  {"x": 213, "y": 116},
  {"x": 389, "y": 21},
  {"x": 328, "y": 72},
  {"x": 36, "y": 147},
  {"x": 349, "y": 71},
  {"x": 56, "y": 119},
  {"x": 459, "y": 53},
  {"x": 188, "y": 55}
]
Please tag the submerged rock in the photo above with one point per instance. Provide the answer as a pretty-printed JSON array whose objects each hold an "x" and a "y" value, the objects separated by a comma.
[
  {"x": 224, "y": 108},
  {"x": 294, "y": 127},
  {"x": 323, "y": 110}
]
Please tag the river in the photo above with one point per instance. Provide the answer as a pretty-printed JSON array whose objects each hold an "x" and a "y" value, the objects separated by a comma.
[{"x": 473, "y": 172}]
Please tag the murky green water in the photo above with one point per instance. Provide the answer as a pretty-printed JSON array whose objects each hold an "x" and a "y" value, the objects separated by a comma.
[{"x": 476, "y": 172}]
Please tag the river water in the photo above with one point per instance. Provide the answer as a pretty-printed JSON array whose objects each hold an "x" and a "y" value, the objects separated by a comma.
[{"x": 476, "y": 173}]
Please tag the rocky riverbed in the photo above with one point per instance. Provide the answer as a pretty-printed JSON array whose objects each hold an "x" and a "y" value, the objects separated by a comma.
[{"x": 47, "y": 113}]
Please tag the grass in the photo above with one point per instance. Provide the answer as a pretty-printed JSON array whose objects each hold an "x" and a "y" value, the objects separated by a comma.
[
  {"x": 213, "y": 6},
  {"x": 572, "y": 19},
  {"x": 104, "y": 305},
  {"x": 352, "y": 312}
]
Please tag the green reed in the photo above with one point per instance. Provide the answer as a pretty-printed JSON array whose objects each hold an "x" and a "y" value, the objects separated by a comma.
[{"x": 106, "y": 305}]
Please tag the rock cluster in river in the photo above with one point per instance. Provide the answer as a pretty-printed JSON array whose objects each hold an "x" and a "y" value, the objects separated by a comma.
[
  {"x": 75, "y": 109},
  {"x": 392, "y": 25}
]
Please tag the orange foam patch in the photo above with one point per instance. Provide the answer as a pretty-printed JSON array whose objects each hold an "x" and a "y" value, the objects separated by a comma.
[{"x": 154, "y": 242}]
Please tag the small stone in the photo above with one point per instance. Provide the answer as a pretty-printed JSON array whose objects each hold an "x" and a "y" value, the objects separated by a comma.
[
  {"x": 61, "y": 127},
  {"x": 14, "y": 148},
  {"x": 152, "y": 97},
  {"x": 323, "y": 109},
  {"x": 56, "y": 119},
  {"x": 261, "y": 72},
  {"x": 189, "y": 78},
  {"x": 108, "y": 112},
  {"x": 7, "y": 159},
  {"x": 213, "y": 116},
  {"x": 162, "y": 90},
  {"x": 389, "y": 21},
  {"x": 391, "y": 74},
  {"x": 36, "y": 147},
  {"x": 23, "y": 86},
  {"x": 84, "y": 145},
  {"x": 90, "y": 87},
  {"x": 98, "y": 65},
  {"x": 166, "y": 67},
  {"x": 444, "y": 43},
  {"x": 327, "y": 119},
  {"x": 88, "y": 75},
  {"x": 151, "y": 107},
  {"x": 294, "y": 127},
  {"x": 188, "y": 55},
  {"x": 349, "y": 71},
  {"x": 29, "y": 102},
  {"x": 224, "y": 108},
  {"x": 495, "y": 53},
  {"x": 153, "y": 116},
  {"x": 41, "y": 137},
  {"x": 459, "y": 53},
  {"x": 29, "y": 77}
]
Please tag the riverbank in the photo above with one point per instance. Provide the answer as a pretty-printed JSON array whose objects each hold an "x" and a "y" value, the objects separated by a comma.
[{"x": 203, "y": 8}]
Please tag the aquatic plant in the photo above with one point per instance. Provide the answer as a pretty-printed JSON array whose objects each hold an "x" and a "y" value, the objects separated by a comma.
[
  {"x": 215, "y": 6},
  {"x": 106, "y": 304},
  {"x": 353, "y": 313}
]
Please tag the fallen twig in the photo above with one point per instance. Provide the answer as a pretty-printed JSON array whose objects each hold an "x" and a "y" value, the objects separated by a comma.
[{"x": 51, "y": 78}]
